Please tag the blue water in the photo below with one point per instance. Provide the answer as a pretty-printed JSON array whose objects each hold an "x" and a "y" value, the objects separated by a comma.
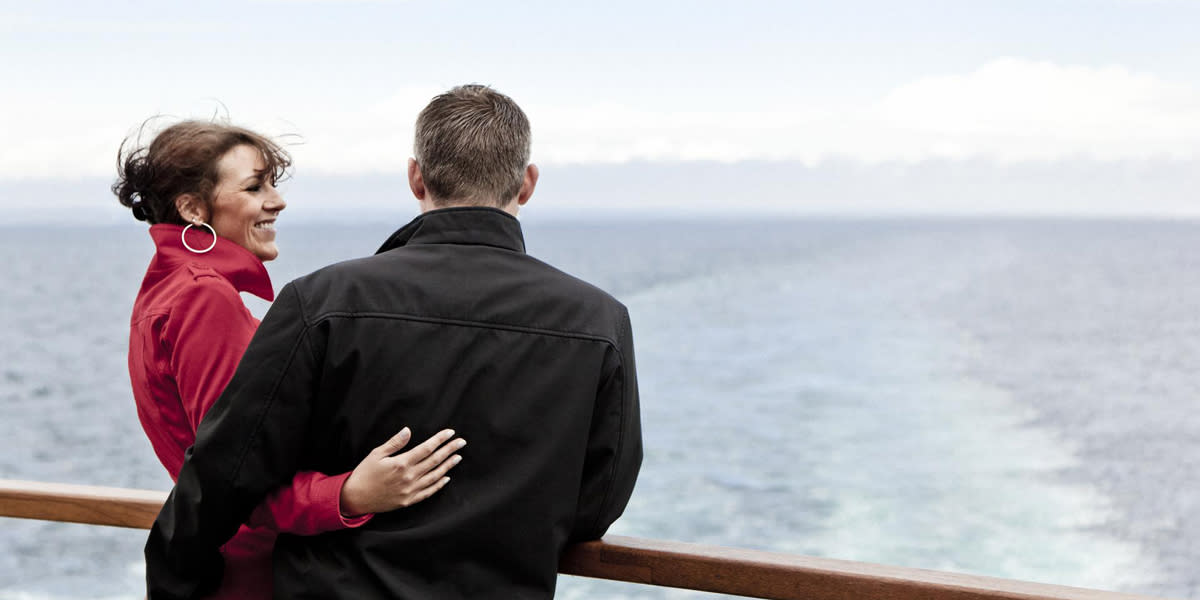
[{"x": 1008, "y": 398}]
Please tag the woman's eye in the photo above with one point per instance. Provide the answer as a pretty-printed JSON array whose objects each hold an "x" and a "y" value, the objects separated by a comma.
[{"x": 254, "y": 188}]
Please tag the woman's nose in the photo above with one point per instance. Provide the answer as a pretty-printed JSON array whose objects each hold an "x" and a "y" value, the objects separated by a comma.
[{"x": 275, "y": 201}]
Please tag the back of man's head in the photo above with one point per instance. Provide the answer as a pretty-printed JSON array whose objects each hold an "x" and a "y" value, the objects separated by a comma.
[{"x": 472, "y": 147}]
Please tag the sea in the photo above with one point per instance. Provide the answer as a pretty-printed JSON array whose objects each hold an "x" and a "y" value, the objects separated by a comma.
[{"x": 1014, "y": 398}]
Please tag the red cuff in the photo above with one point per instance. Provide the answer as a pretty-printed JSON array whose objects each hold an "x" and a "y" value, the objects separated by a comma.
[{"x": 334, "y": 485}]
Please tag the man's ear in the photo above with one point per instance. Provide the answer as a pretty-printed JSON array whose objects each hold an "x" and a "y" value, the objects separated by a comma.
[
  {"x": 415, "y": 181},
  {"x": 530, "y": 182},
  {"x": 191, "y": 208}
]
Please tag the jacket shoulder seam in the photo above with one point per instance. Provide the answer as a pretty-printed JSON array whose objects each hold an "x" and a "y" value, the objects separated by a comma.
[
  {"x": 300, "y": 304},
  {"x": 207, "y": 280},
  {"x": 312, "y": 351},
  {"x": 199, "y": 271},
  {"x": 612, "y": 474},
  {"x": 468, "y": 323}
]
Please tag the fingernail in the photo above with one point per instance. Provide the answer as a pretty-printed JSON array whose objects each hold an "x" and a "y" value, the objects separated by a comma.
[
  {"x": 448, "y": 433},
  {"x": 456, "y": 459},
  {"x": 404, "y": 431},
  {"x": 461, "y": 443},
  {"x": 445, "y": 480}
]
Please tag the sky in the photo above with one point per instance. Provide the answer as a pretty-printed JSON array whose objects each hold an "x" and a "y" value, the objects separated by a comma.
[{"x": 1075, "y": 107}]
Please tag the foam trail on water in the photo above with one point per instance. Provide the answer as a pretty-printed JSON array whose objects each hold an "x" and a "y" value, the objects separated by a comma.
[{"x": 786, "y": 408}]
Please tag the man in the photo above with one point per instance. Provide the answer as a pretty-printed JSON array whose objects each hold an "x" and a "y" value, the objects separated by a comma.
[{"x": 450, "y": 324}]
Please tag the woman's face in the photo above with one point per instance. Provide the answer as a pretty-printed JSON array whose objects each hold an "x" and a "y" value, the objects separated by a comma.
[{"x": 245, "y": 204}]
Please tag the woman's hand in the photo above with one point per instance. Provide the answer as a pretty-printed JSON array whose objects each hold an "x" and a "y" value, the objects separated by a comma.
[{"x": 382, "y": 482}]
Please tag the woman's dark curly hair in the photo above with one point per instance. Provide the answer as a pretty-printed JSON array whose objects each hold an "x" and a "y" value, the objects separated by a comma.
[{"x": 182, "y": 159}]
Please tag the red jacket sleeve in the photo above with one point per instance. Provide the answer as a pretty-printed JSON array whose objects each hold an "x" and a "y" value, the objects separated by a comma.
[
  {"x": 294, "y": 508},
  {"x": 208, "y": 332}
]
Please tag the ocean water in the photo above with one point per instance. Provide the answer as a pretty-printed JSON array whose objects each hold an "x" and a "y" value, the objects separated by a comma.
[{"x": 1009, "y": 398}]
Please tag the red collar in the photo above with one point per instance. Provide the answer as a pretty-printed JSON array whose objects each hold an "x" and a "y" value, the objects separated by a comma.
[{"x": 233, "y": 262}]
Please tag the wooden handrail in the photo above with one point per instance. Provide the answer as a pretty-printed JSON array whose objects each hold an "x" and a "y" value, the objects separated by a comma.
[
  {"x": 92, "y": 505},
  {"x": 654, "y": 562}
]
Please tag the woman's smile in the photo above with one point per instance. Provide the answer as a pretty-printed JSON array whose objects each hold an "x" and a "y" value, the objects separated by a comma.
[{"x": 246, "y": 203}]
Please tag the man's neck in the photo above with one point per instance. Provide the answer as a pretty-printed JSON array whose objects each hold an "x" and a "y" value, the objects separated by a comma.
[{"x": 428, "y": 204}]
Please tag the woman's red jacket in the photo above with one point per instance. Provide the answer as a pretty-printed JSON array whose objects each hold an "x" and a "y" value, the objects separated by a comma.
[{"x": 188, "y": 331}]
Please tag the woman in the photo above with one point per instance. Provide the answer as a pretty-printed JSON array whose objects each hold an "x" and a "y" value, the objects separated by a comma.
[{"x": 208, "y": 191}]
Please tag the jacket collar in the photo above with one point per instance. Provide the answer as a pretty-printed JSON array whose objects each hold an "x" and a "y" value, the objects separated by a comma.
[
  {"x": 475, "y": 225},
  {"x": 233, "y": 262}
]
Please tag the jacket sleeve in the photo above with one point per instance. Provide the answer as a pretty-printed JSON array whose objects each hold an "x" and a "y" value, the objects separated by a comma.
[
  {"x": 309, "y": 506},
  {"x": 614, "y": 447},
  {"x": 246, "y": 446},
  {"x": 208, "y": 335}
]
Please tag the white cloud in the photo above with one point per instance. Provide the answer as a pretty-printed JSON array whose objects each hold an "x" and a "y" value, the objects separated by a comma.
[
  {"x": 1016, "y": 110},
  {"x": 1008, "y": 110}
]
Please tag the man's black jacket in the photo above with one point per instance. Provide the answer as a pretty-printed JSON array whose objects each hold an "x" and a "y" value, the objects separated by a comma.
[{"x": 450, "y": 325}]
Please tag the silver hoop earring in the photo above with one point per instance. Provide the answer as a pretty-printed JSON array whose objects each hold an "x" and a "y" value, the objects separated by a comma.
[{"x": 183, "y": 236}]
